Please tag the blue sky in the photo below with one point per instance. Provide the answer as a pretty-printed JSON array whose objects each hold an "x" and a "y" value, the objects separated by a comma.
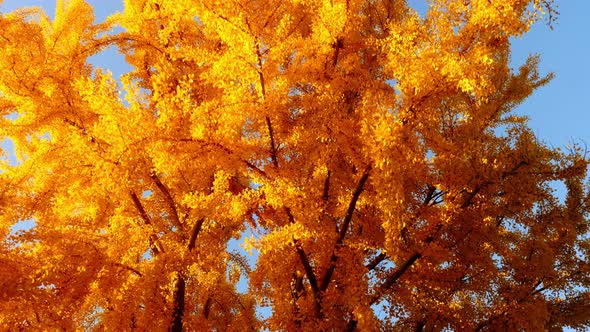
[{"x": 560, "y": 111}]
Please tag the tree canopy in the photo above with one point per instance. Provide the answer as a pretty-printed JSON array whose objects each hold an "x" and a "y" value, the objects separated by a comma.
[{"x": 368, "y": 157}]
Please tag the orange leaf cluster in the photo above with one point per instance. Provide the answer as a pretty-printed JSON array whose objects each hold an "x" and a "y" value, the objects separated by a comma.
[{"x": 368, "y": 157}]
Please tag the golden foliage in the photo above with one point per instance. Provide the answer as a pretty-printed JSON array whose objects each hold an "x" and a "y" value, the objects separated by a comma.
[{"x": 368, "y": 156}]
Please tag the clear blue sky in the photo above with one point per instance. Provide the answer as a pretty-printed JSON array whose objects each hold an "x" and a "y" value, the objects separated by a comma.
[{"x": 559, "y": 112}]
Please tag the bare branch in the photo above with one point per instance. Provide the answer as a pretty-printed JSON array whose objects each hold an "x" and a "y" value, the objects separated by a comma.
[
  {"x": 129, "y": 268},
  {"x": 207, "y": 308},
  {"x": 296, "y": 290},
  {"x": 352, "y": 206},
  {"x": 228, "y": 151},
  {"x": 273, "y": 146},
  {"x": 337, "y": 46},
  {"x": 178, "y": 304},
  {"x": 351, "y": 325},
  {"x": 311, "y": 277},
  {"x": 260, "y": 74},
  {"x": 308, "y": 269},
  {"x": 156, "y": 248},
  {"x": 344, "y": 229},
  {"x": 169, "y": 201},
  {"x": 144, "y": 216},
  {"x": 376, "y": 261},
  {"x": 194, "y": 233},
  {"x": 255, "y": 168},
  {"x": 273, "y": 149},
  {"x": 394, "y": 277},
  {"x": 326, "y": 194}
]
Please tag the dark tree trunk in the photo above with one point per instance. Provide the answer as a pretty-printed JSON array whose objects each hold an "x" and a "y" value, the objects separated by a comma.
[{"x": 178, "y": 308}]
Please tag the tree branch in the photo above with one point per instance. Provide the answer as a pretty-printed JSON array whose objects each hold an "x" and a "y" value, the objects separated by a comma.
[
  {"x": 228, "y": 151},
  {"x": 82, "y": 130},
  {"x": 129, "y": 268},
  {"x": 420, "y": 326},
  {"x": 326, "y": 193},
  {"x": 207, "y": 307},
  {"x": 146, "y": 220},
  {"x": 352, "y": 206},
  {"x": 376, "y": 261},
  {"x": 255, "y": 168},
  {"x": 351, "y": 325},
  {"x": 194, "y": 233},
  {"x": 394, "y": 277},
  {"x": 344, "y": 229},
  {"x": 317, "y": 296},
  {"x": 296, "y": 290},
  {"x": 178, "y": 304},
  {"x": 170, "y": 202},
  {"x": 337, "y": 45},
  {"x": 432, "y": 195},
  {"x": 144, "y": 216},
  {"x": 273, "y": 149},
  {"x": 472, "y": 194},
  {"x": 260, "y": 74},
  {"x": 311, "y": 277}
]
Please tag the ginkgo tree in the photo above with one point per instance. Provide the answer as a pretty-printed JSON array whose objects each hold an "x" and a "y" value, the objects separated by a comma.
[{"x": 369, "y": 159}]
